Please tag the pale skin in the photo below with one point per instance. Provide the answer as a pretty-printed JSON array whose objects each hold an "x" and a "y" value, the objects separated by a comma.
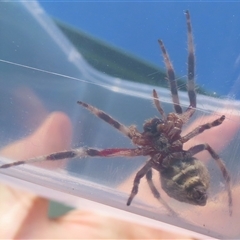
[{"x": 24, "y": 215}]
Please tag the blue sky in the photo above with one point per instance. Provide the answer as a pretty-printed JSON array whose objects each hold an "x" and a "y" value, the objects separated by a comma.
[{"x": 135, "y": 27}]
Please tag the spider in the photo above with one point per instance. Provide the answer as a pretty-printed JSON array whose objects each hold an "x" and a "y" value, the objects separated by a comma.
[{"x": 183, "y": 177}]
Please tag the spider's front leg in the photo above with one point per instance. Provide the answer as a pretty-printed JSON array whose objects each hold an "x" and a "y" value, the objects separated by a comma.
[
  {"x": 50, "y": 157},
  {"x": 127, "y": 131},
  {"x": 202, "y": 128},
  {"x": 80, "y": 153},
  {"x": 191, "y": 66},
  {"x": 171, "y": 78}
]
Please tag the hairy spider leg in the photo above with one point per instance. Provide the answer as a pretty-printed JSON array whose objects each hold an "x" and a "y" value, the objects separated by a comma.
[
  {"x": 81, "y": 153},
  {"x": 198, "y": 148},
  {"x": 158, "y": 105},
  {"x": 191, "y": 66},
  {"x": 156, "y": 193},
  {"x": 104, "y": 116},
  {"x": 191, "y": 72},
  {"x": 140, "y": 174},
  {"x": 187, "y": 114},
  {"x": 202, "y": 128},
  {"x": 171, "y": 78}
]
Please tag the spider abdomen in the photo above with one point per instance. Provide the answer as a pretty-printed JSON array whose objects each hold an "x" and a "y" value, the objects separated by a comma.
[{"x": 186, "y": 181}]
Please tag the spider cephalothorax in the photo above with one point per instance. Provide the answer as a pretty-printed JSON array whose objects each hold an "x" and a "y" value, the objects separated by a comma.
[{"x": 182, "y": 176}]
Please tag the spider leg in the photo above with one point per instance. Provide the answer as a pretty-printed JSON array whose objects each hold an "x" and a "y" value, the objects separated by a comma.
[
  {"x": 202, "y": 128},
  {"x": 191, "y": 66},
  {"x": 155, "y": 192},
  {"x": 158, "y": 105},
  {"x": 198, "y": 148},
  {"x": 174, "y": 133},
  {"x": 171, "y": 78},
  {"x": 140, "y": 174},
  {"x": 104, "y": 116},
  {"x": 187, "y": 114},
  {"x": 51, "y": 157},
  {"x": 81, "y": 153}
]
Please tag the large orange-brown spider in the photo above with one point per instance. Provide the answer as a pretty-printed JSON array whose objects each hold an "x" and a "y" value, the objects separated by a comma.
[{"x": 182, "y": 176}]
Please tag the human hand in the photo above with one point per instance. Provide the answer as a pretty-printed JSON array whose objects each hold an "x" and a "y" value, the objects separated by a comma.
[{"x": 24, "y": 215}]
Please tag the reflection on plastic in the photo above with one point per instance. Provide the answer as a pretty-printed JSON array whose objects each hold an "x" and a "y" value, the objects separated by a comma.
[{"x": 28, "y": 97}]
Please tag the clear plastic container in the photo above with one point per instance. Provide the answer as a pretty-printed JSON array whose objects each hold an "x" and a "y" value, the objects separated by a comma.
[{"x": 42, "y": 74}]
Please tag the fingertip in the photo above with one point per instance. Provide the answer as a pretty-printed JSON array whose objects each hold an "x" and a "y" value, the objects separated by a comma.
[{"x": 54, "y": 134}]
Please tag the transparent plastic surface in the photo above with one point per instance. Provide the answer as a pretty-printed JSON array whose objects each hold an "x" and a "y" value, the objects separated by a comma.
[{"x": 47, "y": 82}]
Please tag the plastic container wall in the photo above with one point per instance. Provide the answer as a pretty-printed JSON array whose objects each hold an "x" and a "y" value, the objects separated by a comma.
[{"x": 42, "y": 73}]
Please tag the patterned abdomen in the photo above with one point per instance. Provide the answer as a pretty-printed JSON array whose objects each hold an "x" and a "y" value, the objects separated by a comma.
[{"x": 186, "y": 181}]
